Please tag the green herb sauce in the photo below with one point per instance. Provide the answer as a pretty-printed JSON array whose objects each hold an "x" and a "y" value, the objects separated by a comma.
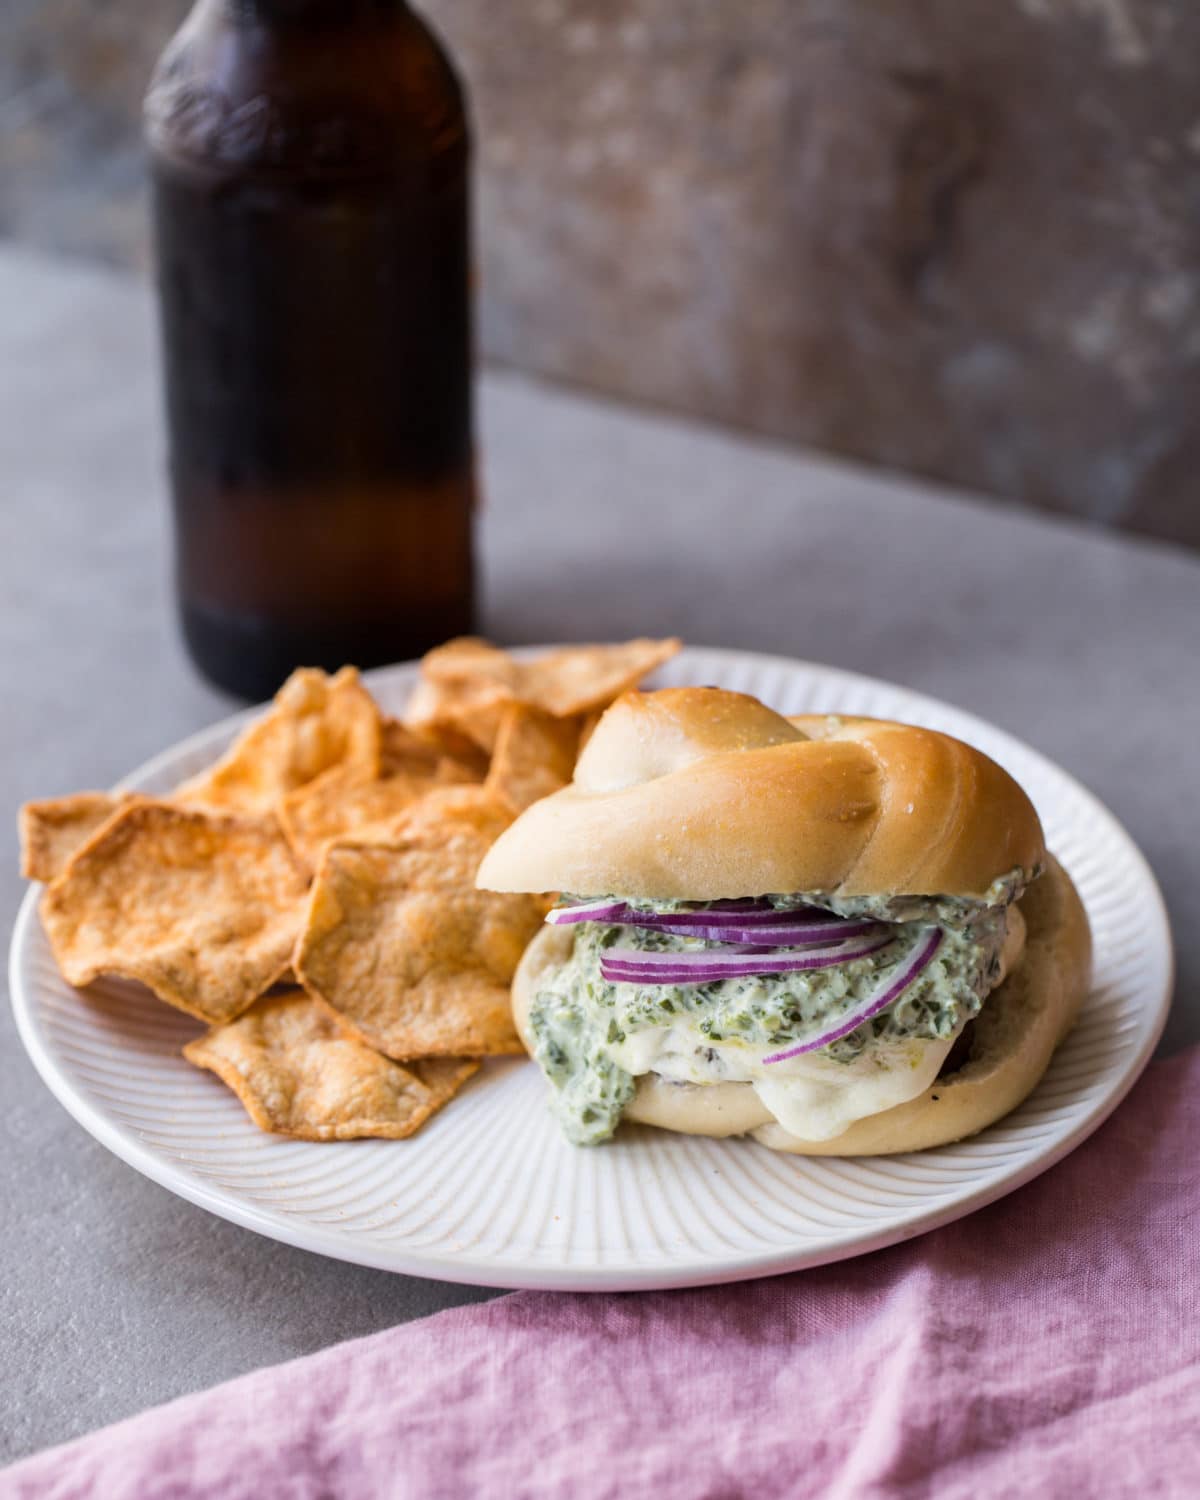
[{"x": 584, "y": 1027}]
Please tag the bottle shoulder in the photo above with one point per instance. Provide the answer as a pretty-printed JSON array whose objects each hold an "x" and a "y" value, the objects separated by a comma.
[{"x": 341, "y": 101}]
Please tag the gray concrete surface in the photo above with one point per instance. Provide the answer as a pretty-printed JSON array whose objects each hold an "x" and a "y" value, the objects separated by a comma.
[{"x": 599, "y": 522}]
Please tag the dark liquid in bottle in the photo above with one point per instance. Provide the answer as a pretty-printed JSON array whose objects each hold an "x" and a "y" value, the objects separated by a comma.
[{"x": 316, "y": 326}]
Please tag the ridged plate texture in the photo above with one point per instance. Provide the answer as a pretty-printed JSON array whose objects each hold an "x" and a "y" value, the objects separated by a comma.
[{"x": 489, "y": 1193}]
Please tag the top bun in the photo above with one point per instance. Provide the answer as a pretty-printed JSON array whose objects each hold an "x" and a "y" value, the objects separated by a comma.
[{"x": 697, "y": 794}]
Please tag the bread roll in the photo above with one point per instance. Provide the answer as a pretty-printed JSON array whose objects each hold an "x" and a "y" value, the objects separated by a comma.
[{"x": 697, "y": 794}]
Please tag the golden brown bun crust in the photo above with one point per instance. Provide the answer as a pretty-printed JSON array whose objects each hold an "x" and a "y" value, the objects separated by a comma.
[
  {"x": 694, "y": 794},
  {"x": 1020, "y": 1025}
]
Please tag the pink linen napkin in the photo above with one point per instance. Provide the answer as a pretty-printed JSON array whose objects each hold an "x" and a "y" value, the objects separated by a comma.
[{"x": 1046, "y": 1346}]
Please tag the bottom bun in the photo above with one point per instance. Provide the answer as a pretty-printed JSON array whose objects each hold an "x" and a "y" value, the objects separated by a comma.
[{"x": 1015, "y": 1035}]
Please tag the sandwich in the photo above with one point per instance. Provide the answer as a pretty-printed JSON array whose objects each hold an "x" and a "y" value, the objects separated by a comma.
[{"x": 837, "y": 935}]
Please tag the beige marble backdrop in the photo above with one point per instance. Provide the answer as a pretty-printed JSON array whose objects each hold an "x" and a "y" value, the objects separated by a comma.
[{"x": 955, "y": 237}]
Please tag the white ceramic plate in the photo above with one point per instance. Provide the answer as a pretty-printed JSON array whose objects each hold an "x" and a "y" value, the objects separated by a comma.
[{"x": 489, "y": 1193}]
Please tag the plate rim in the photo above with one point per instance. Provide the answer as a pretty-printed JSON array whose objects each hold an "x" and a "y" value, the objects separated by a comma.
[{"x": 482, "y": 1270}]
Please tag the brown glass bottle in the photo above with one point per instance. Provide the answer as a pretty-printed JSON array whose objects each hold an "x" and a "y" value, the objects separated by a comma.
[{"x": 309, "y": 169}]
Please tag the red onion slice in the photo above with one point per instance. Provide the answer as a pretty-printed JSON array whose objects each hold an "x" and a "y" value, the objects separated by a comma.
[
  {"x": 892, "y": 988},
  {"x": 806, "y": 933},
  {"x": 588, "y": 911},
  {"x": 704, "y": 965},
  {"x": 740, "y": 921}
]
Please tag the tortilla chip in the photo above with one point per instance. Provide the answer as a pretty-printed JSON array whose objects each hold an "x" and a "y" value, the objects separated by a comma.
[
  {"x": 468, "y": 658},
  {"x": 570, "y": 680},
  {"x": 401, "y": 945},
  {"x": 579, "y": 678},
  {"x": 470, "y": 711},
  {"x": 406, "y": 748},
  {"x": 348, "y": 804},
  {"x": 467, "y": 683},
  {"x": 473, "y": 807},
  {"x": 203, "y": 909},
  {"x": 52, "y": 831},
  {"x": 317, "y": 722},
  {"x": 299, "y": 1074},
  {"x": 534, "y": 756}
]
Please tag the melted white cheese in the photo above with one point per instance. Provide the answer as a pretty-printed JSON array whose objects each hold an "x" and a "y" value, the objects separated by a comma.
[{"x": 811, "y": 1096}]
